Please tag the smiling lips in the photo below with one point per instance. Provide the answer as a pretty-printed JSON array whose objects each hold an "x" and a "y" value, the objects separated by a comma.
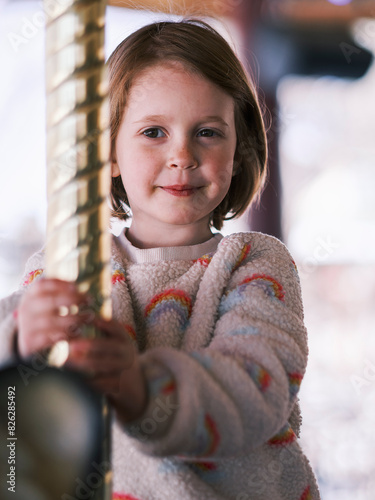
[{"x": 180, "y": 190}]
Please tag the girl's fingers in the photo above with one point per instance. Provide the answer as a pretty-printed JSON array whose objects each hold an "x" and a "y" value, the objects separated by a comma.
[
  {"x": 55, "y": 292},
  {"x": 112, "y": 384},
  {"x": 107, "y": 384},
  {"x": 46, "y": 323},
  {"x": 100, "y": 356},
  {"x": 41, "y": 341},
  {"x": 113, "y": 369},
  {"x": 112, "y": 328},
  {"x": 100, "y": 349},
  {"x": 44, "y": 330},
  {"x": 51, "y": 285},
  {"x": 59, "y": 303}
]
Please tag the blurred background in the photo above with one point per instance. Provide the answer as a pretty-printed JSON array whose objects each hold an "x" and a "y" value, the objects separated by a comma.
[{"x": 313, "y": 61}]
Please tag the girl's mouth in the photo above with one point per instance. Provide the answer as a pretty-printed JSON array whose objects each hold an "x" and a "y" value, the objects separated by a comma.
[{"x": 180, "y": 190}]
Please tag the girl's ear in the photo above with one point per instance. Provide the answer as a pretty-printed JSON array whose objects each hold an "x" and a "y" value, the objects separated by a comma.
[{"x": 115, "y": 168}]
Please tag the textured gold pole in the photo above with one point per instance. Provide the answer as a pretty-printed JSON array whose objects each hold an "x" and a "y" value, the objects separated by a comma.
[{"x": 78, "y": 152}]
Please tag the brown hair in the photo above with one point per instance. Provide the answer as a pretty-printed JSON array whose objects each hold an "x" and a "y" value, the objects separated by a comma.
[{"x": 202, "y": 50}]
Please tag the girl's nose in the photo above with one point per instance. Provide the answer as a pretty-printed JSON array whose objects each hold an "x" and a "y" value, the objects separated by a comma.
[{"x": 182, "y": 156}]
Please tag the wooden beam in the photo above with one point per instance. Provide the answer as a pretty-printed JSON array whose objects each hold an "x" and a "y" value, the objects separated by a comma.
[
  {"x": 319, "y": 11},
  {"x": 291, "y": 10},
  {"x": 182, "y": 7}
]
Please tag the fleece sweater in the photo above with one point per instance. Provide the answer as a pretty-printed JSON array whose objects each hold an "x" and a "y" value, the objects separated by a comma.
[{"x": 222, "y": 343}]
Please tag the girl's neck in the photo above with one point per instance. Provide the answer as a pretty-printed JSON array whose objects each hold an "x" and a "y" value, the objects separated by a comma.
[{"x": 174, "y": 236}]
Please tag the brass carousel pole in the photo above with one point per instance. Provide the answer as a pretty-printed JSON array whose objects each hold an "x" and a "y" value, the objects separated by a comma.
[{"x": 78, "y": 166}]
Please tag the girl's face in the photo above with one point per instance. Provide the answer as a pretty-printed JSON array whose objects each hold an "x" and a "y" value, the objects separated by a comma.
[{"x": 174, "y": 151}]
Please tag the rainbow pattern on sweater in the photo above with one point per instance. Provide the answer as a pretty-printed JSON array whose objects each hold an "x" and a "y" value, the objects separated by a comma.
[
  {"x": 31, "y": 276},
  {"x": 295, "y": 380},
  {"x": 235, "y": 297},
  {"x": 130, "y": 331},
  {"x": 259, "y": 375},
  {"x": 207, "y": 471},
  {"x": 306, "y": 495},
  {"x": 123, "y": 496},
  {"x": 163, "y": 384},
  {"x": 284, "y": 437},
  {"x": 243, "y": 254},
  {"x": 172, "y": 300},
  {"x": 208, "y": 437},
  {"x": 118, "y": 276},
  {"x": 244, "y": 330},
  {"x": 212, "y": 436},
  {"x": 204, "y": 466},
  {"x": 294, "y": 266},
  {"x": 271, "y": 287},
  {"x": 169, "y": 387},
  {"x": 205, "y": 259}
]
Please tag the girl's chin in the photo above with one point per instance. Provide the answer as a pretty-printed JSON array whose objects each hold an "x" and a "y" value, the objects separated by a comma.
[
  {"x": 179, "y": 220},
  {"x": 187, "y": 222}
]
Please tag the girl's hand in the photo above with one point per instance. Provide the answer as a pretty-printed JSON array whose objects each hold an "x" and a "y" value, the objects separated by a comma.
[
  {"x": 112, "y": 363},
  {"x": 50, "y": 310}
]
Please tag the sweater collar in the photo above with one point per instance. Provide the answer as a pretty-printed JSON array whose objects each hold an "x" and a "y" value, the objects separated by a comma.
[{"x": 147, "y": 255}]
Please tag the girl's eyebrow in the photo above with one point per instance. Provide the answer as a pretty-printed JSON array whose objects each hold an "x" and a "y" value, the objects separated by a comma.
[
  {"x": 150, "y": 118},
  {"x": 157, "y": 118},
  {"x": 215, "y": 118}
]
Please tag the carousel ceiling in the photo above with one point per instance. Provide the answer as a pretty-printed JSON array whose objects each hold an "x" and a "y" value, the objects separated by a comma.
[{"x": 336, "y": 11}]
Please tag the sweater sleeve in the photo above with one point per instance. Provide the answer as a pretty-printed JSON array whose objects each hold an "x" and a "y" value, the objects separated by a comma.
[
  {"x": 9, "y": 305},
  {"x": 237, "y": 392}
]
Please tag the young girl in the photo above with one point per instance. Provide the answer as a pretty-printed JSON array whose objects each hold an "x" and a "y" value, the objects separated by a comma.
[{"x": 207, "y": 349}]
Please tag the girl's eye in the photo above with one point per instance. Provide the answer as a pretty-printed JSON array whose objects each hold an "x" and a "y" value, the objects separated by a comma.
[
  {"x": 207, "y": 132},
  {"x": 153, "y": 133}
]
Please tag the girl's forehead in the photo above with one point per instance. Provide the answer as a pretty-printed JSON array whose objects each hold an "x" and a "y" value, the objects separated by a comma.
[
  {"x": 171, "y": 75},
  {"x": 158, "y": 70},
  {"x": 171, "y": 85}
]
